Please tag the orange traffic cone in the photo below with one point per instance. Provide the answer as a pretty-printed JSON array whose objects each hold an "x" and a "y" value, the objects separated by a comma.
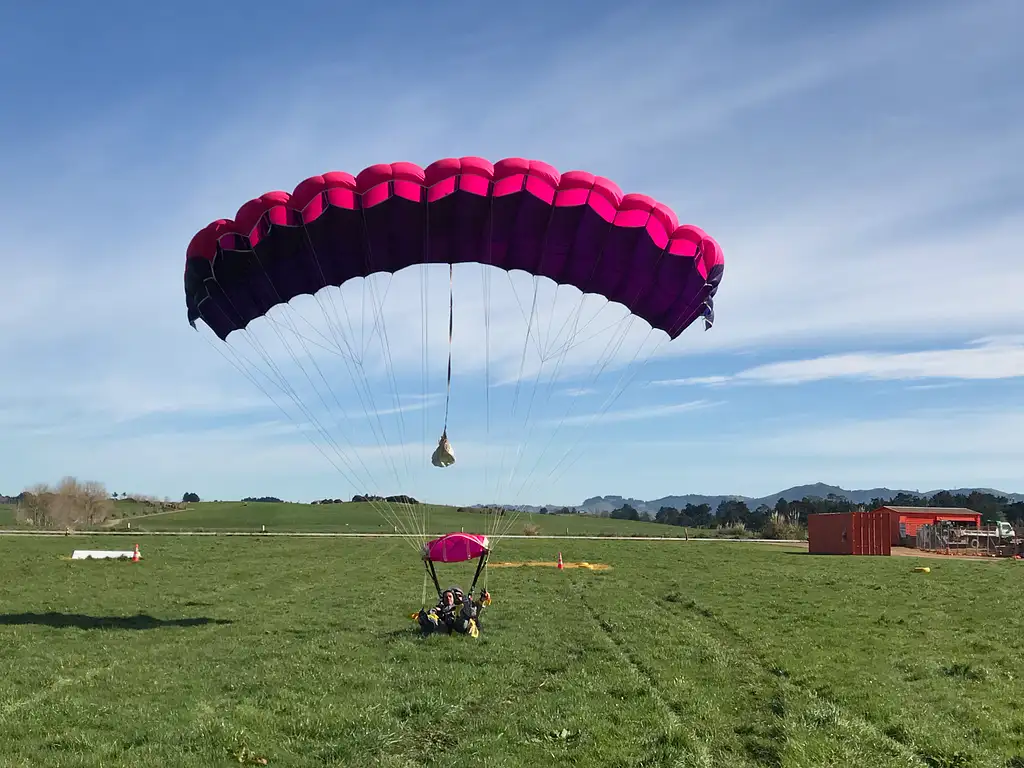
[
  {"x": 560, "y": 565},
  {"x": 135, "y": 555}
]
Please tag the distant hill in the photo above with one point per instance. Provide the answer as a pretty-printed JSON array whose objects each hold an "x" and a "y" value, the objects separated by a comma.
[
  {"x": 598, "y": 504},
  {"x": 608, "y": 503}
]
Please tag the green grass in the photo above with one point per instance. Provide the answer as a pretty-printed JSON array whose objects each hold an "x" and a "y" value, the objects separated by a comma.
[
  {"x": 6, "y": 515},
  {"x": 365, "y": 518},
  {"x": 700, "y": 654}
]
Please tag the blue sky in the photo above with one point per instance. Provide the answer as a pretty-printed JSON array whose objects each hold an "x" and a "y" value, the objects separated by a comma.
[{"x": 859, "y": 165}]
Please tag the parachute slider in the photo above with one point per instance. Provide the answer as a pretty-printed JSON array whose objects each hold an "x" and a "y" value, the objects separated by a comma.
[{"x": 444, "y": 455}]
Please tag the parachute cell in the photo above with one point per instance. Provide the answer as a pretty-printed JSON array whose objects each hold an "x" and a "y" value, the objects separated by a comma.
[{"x": 575, "y": 228}]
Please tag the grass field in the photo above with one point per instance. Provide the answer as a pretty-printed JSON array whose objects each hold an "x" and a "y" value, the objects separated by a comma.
[
  {"x": 220, "y": 651},
  {"x": 361, "y": 517}
]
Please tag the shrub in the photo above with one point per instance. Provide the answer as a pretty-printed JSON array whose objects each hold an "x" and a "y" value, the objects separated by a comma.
[
  {"x": 782, "y": 529},
  {"x": 736, "y": 531},
  {"x": 531, "y": 530}
]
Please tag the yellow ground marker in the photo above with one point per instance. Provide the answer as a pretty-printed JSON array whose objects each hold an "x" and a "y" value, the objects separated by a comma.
[{"x": 552, "y": 564}]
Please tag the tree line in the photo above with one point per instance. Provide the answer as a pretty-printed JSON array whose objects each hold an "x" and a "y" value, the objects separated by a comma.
[
  {"x": 788, "y": 518},
  {"x": 361, "y": 498}
]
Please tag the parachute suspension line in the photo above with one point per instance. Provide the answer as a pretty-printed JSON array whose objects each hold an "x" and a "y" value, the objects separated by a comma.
[
  {"x": 380, "y": 330},
  {"x": 418, "y": 520},
  {"x": 424, "y": 337},
  {"x": 335, "y": 325},
  {"x": 604, "y": 409},
  {"x": 237, "y": 365},
  {"x": 621, "y": 389},
  {"x": 380, "y": 325},
  {"x": 522, "y": 311},
  {"x": 485, "y": 275},
  {"x": 611, "y": 351},
  {"x": 330, "y": 346},
  {"x": 509, "y": 523},
  {"x": 295, "y": 359},
  {"x": 255, "y": 342},
  {"x": 522, "y": 359},
  {"x": 248, "y": 375},
  {"x": 352, "y": 363},
  {"x": 521, "y": 448},
  {"x": 515, "y": 513},
  {"x": 284, "y": 385},
  {"x": 573, "y": 401},
  {"x": 569, "y": 344},
  {"x": 526, "y": 342},
  {"x": 451, "y": 326},
  {"x": 415, "y": 520},
  {"x": 504, "y": 481},
  {"x": 362, "y": 315},
  {"x": 425, "y": 362},
  {"x": 258, "y": 346},
  {"x": 337, "y": 402},
  {"x": 612, "y": 399},
  {"x": 541, "y": 355},
  {"x": 490, "y": 512},
  {"x": 522, "y": 365}
]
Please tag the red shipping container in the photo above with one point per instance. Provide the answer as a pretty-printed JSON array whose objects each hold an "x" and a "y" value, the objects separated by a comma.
[{"x": 849, "y": 533}]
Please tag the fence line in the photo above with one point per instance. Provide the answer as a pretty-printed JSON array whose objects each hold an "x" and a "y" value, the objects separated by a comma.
[{"x": 325, "y": 534}]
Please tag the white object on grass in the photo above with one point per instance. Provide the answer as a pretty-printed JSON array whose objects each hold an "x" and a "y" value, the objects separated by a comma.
[{"x": 100, "y": 554}]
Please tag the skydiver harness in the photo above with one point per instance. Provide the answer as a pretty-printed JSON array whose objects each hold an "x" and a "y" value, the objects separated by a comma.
[{"x": 454, "y": 612}]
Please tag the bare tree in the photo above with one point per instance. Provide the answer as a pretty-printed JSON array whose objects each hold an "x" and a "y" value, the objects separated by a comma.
[
  {"x": 34, "y": 505},
  {"x": 95, "y": 502},
  {"x": 65, "y": 509},
  {"x": 68, "y": 505}
]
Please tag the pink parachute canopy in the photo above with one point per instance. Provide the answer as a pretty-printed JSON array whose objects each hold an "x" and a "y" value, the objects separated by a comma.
[
  {"x": 574, "y": 228},
  {"x": 456, "y": 547}
]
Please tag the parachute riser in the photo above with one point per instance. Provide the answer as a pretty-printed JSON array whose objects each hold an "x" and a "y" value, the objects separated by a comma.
[
  {"x": 429, "y": 565},
  {"x": 480, "y": 565}
]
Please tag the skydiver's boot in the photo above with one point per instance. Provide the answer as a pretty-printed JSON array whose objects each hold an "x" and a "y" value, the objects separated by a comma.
[
  {"x": 428, "y": 622},
  {"x": 466, "y": 622}
]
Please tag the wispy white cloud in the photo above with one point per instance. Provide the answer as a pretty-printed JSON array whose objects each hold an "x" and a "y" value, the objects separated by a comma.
[
  {"x": 600, "y": 418},
  {"x": 986, "y": 359},
  {"x": 579, "y": 391},
  {"x": 925, "y": 387},
  {"x": 691, "y": 381},
  {"x": 949, "y": 433}
]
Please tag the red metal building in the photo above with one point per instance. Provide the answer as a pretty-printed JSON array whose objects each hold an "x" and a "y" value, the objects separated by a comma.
[
  {"x": 904, "y": 521},
  {"x": 849, "y": 533}
]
